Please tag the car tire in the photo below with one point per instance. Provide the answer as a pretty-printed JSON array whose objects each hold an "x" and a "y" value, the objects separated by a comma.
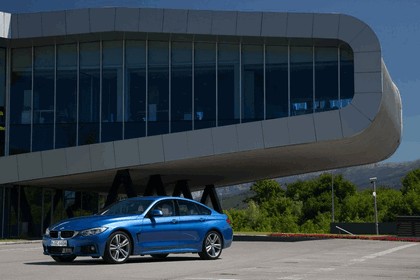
[
  {"x": 117, "y": 248},
  {"x": 159, "y": 256},
  {"x": 212, "y": 246},
  {"x": 63, "y": 259}
]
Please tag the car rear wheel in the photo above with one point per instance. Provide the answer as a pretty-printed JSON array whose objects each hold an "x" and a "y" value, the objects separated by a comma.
[
  {"x": 63, "y": 259},
  {"x": 159, "y": 256},
  {"x": 212, "y": 246},
  {"x": 118, "y": 248}
]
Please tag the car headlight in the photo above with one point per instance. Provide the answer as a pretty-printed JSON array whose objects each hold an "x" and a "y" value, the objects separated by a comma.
[
  {"x": 47, "y": 232},
  {"x": 92, "y": 231}
]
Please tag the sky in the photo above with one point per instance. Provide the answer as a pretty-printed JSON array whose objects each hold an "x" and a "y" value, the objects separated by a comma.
[{"x": 395, "y": 22}]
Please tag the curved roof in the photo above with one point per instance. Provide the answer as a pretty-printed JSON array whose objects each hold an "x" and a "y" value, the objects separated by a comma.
[{"x": 368, "y": 130}]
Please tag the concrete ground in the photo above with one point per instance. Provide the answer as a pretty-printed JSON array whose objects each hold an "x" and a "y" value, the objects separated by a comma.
[{"x": 314, "y": 259}]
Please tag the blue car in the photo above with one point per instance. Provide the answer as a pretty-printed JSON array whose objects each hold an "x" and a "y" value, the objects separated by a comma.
[{"x": 155, "y": 226}]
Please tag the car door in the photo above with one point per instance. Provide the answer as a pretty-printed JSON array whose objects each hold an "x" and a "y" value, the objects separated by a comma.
[
  {"x": 160, "y": 233},
  {"x": 192, "y": 225}
]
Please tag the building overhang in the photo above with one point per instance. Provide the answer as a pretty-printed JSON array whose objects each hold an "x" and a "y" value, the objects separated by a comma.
[{"x": 367, "y": 130}]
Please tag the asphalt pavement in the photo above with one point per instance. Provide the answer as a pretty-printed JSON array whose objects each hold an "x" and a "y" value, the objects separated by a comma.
[{"x": 311, "y": 259}]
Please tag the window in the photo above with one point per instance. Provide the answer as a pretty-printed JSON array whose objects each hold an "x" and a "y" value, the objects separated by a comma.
[
  {"x": 20, "y": 101},
  {"x": 89, "y": 90},
  {"x": 2, "y": 100},
  {"x": 112, "y": 84},
  {"x": 228, "y": 102},
  {"x": 204, "y": 85},
  {"x": 135, "y": 89},
  {"x": 301, "y": 80},
  {"x": 203, "y": 210},
  {"x": 252, "y": 83},
  {"x": 43, "y": 99},
  {"x": 181, "y": 87},
  {"x": 187, "y": 208},
  {"x": 346, "y": 75},
  {"x": 66, "y": 96},
  {"x": 167, "y": 208},
  {"x": 276, "y": 82},
  {"x": 326, "y": 79},
  {"x": 158, "y": 88}
]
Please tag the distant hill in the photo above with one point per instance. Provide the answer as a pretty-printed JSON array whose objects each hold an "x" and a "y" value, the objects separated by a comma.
[{"x": 388, "y": 174}]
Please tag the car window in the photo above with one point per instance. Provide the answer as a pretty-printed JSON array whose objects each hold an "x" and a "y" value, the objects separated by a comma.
[
  {"x": 166, "y": 206},
  {"x": 129, "y": 207},
  {"x": 187, "y": 208},
  {"x": 203, "y": 210}
]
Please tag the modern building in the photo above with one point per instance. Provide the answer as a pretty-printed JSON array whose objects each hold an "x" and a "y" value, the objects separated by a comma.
[{"x": 166, "y": 101}]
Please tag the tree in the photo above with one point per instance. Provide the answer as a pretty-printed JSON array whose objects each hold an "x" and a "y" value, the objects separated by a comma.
[
  {"x": 357, "y": 208},
  {"x": 315, "y": 194},
  {"x": 411, "y": 181},
  {"x": 265, "y": 190}
]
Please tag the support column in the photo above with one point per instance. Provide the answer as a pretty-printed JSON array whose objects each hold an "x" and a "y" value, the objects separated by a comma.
[
  {"x": 210, "y": 191},
  {"x": 155, "y": 185},
  {"x": 181, "y": 187},
  {"x": 122, "y": 177}
]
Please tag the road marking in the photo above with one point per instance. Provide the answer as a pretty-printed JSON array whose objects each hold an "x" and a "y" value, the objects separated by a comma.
[
  {"x": 293, "y": 277},
  {"x": 383, "y": 253},
  {"x": 210, "y": 279},
  {"x": 326, "y": 269},
  {"x": 352, "y": 262}
]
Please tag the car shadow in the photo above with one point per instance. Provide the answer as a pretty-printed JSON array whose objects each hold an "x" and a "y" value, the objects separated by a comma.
[{"x": 81, "y": 261}]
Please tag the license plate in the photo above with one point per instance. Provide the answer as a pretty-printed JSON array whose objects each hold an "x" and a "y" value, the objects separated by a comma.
[{"x": 58, "y": 243}]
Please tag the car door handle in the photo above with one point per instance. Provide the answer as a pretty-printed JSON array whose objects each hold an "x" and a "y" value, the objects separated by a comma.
[
  {"x": 202, "y": 219},
  {"x": 174, "y": 221}
]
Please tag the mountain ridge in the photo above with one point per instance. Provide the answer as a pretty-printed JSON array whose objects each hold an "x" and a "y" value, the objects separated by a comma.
[{"x": 389, "y": 174}]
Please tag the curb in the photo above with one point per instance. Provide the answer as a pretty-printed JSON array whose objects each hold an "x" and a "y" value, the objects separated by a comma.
[
  {"x": 309, "y": 237},
  {"x": 19, "y": 242},
  {"x": 270, "y": 238}
]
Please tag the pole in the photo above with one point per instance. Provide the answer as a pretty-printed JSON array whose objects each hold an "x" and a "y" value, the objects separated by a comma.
[
  {"x": 373, "y": 181},
  {"x": 332, "y": 197},
  {"x": 376, "y": 208}
]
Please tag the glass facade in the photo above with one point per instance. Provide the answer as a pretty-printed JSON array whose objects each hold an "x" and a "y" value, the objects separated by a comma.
[
  {"x": 82, "y": 93},
  {"x": 2, "y": 100}
]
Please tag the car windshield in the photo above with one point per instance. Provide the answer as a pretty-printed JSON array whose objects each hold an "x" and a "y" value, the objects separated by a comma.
[{"x": 127, "y": 207}]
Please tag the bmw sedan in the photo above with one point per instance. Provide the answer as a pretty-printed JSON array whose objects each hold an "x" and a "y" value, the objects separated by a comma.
[{"x": 155, "y": 226}]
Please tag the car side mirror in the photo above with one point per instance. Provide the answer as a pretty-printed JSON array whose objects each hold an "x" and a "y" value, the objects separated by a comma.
[{"x": 156, "y": 213}]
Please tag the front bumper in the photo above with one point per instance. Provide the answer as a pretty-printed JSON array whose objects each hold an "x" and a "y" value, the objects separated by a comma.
[{"x": 93, "y": 246}]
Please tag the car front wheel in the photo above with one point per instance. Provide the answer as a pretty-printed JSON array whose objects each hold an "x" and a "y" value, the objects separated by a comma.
[
  {"x": 118, "y": 248},
  {"x": 212, "y": 246}
]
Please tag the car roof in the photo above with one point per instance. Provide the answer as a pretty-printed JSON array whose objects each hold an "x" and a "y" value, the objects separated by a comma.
[{"x": 156, "y": 198}]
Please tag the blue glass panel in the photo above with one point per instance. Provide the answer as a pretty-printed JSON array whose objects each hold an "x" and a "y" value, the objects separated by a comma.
[
  {"x": 181, "y": 87},
  {"x": 2, "y": 100},
  {"x": 158, "y": 88},
  {"x": 301, "y": 80},
  {"x": 20, "y": 101},
  {"x": 89, "y": 90},
  {"x": 204, "y": 85},
  {"x": 326, "y": 79},
  {"x": 43, "y": 99},
  {"x": 66, "y": 96},
  {"x": 135, "y": 93},
  {"x": 346, "y": 75},
  {"x": 228, "y": 101},
  {"x": 112, "y": 84},
  {"x": 252, "y": 83},
  {"x": 276, "y": 82}
]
